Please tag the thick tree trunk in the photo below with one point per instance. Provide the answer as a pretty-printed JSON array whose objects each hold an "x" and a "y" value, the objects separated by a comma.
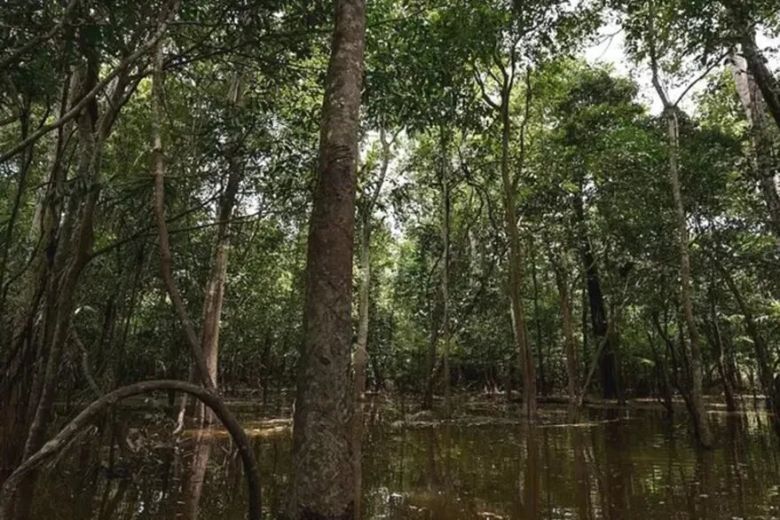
[
  {"x": 701, "y": 422},
  {"x": 323, "y": 471},
  {"x": 766, "y": 81},
  {"x": 763, "y": 156}
]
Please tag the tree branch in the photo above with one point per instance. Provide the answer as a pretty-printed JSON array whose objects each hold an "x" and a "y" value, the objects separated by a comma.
[
  {"x": 76, "y": 109},
  {"x": 207, "y": 397},
  {"x": 24, "y": 49},
  {"x": 158, "y": 202}
]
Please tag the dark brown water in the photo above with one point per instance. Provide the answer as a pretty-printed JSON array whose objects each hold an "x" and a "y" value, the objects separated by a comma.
[{"x": 618, "y": 465}]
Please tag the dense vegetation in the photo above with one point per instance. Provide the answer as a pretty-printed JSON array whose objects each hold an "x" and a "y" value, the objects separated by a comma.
[{"x": 524, "y": 222}]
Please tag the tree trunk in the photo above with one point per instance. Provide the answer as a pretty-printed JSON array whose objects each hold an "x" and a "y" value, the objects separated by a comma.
[
  {"x": 763, "y": 157},
  {"x": 598, "y": 314},
  {"x": 365, "y": 211},
  {"x": 701, "y": 422},
  {"x": 21, "y": 373},
  {"x": 524, "y": 354},
  {"x": 323, "y": 472},
  {"x": 60, "y": 278},
  {"x": 766, "y": 375},
  {"x": 570, "y": 342},
  {"x": 158, "y": 204},
  {"x": 766, "y": 81},
  {"x": 538, "y": 323},
  {"x": 360, "y": 360},
  {"x": 445, "y": 271},
  {"x": 215, "y": 286},
  {"x": 430, "y": 360}
]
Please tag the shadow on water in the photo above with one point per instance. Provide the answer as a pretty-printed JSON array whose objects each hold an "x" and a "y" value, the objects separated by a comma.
[{"x": 615, "y": 465}]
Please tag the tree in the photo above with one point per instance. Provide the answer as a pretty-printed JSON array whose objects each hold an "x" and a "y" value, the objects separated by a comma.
[
  {"x": 651, "y": 44},
  {"x": 323, "y": 477}
]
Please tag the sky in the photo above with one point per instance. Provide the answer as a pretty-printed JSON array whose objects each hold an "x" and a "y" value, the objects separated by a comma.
[{"x": 610, "y": 49}]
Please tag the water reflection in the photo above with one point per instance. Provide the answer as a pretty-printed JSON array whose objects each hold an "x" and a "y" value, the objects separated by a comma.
[
  {"x": 195, "y": 477},
  {"x": 615, "y": 467}
]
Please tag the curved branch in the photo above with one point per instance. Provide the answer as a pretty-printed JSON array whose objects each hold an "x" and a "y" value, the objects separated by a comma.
[
  {"x": 700, "y": 77},
  {"x": 210, "y": 399}
]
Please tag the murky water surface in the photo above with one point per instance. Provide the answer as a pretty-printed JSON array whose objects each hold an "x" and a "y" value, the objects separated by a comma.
[{"x": 616, "y": 465}]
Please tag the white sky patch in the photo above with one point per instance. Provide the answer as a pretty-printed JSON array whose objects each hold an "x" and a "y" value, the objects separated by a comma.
[{"x": 609, "y": 49}]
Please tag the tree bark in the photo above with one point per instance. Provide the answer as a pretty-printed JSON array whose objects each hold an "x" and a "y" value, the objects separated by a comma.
[
  {"x": 766, "y": 81},
  {"x": 323, "y": 471},
  {"x": 763, "y": 156}
]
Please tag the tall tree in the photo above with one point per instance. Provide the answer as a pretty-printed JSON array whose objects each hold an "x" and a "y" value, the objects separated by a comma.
[
  {"x": 323, "y": 473},
  {"x": 654, "y": 41},
  {"x": 366, "y": 206}
]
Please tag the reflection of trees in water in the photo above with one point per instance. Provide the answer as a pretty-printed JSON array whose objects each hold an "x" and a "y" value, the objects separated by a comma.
[
  {"x": 532, "y": 483},
  {"x": 582, "y": 481},
  {"x": 358, "y": 427},
  {"x": 193, "y": 479},
  {"x": 635, "y": 468},
  {"x": 618, "y": 471}
]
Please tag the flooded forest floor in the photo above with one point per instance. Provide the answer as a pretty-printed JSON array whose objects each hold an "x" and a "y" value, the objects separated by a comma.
[{"x": 615, "y": 462}]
